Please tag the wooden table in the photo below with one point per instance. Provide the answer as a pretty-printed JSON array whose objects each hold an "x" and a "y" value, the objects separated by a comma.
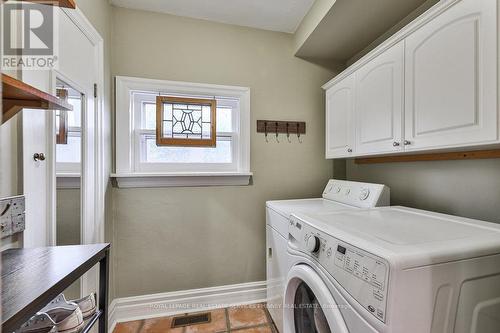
[{"x": 31, "y": 278}]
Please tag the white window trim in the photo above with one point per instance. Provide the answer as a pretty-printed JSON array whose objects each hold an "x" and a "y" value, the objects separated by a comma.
[{"x": 127, "y": 174}]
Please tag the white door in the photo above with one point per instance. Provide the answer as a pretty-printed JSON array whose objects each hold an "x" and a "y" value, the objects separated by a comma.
[
  {"x": 36, "y": 174},
  {"x": 451, "y": 77},
  {"x": 339, "y": 119},
  {"x": 379, "y": 103}
]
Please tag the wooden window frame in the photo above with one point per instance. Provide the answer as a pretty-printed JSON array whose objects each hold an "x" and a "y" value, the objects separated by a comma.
[
  {"x": 181, "y": 142},
  {"x": 62, "y": 136}
]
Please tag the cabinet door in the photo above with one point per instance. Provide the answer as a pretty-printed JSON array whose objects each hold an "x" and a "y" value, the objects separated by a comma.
[
  {"x": 451, "y": 71},
  {"x": 379, "y": 103},
  {"x": 339, "y": 119}
]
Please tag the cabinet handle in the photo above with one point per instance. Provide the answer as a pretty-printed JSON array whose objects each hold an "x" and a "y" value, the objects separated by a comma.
[
  {"x": 407, "y": 143},
  {"x": 395, "y": 144},
  {"x": 349, "y": 150}
]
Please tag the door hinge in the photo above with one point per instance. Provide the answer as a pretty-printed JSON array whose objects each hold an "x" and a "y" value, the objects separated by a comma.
[{"x": 95, "y": 90}]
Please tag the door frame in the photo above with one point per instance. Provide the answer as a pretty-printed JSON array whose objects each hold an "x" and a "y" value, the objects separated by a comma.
[{"x": 101, "y": 174}]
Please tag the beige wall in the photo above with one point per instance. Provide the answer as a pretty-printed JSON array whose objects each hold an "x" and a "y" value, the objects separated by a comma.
[
  {"x": 464, "y": 188},
  {"x": 181, "y": 238},
  {"x": 68, "y": 227},
  {"x": 68, "y": 224}
]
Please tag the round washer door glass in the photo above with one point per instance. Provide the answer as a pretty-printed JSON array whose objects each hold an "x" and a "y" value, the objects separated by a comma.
[{"x": 308, "y": 314}]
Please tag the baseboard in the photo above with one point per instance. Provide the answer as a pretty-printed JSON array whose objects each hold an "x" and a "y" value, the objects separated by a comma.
[{"x": 172, "y": 303}]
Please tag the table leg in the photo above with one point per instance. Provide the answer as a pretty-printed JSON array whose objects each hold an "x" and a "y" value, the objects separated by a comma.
[{"x": 103, "y": 292}]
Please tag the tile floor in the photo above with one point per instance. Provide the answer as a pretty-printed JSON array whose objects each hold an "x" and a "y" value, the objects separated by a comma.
[{"x": 252, "y": 318}]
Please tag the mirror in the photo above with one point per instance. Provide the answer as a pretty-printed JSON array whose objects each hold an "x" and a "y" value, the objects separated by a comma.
[{"x": 68, "y": 133}]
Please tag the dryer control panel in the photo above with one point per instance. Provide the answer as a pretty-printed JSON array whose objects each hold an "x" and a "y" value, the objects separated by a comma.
[
  {"x": 361, "y": 274},
  {"x": 362, "y": 195}
]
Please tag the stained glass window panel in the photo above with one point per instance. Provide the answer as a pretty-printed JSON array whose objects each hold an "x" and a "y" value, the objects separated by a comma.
[{"x": 185, "y": 122}]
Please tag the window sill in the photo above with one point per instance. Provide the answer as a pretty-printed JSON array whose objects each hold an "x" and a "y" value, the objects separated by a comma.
[
  {"x": 65, "y": 180},
  {"x": 174, "y": 179}
]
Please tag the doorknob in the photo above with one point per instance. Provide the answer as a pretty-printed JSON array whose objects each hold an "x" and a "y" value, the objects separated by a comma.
[
  {"x": 39, "y": 157},
  {"x": 407, "y": 142},
  {"x": 395, "y": 144}
]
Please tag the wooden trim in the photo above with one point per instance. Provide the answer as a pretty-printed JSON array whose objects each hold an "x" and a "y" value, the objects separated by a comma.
[
  {"x": 467, "y": 155},
  {"x": 162, "y": 141},
  {"x": 58, "y": 3},
  {"x": 18, "y": 95}
]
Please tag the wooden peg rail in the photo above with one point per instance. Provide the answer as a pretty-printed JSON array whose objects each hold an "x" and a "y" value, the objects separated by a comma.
[{"x": 281, "y": 127}]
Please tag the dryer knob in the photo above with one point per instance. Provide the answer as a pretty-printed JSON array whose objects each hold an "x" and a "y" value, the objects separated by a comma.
[
  {"x": 365, "y": 193},
  {"x": 313, "y": 244}
]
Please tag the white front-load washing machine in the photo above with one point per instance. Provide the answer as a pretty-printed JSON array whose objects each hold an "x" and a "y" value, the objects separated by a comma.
[
  {"x": 392, "y": 270},
  {"x": 338, "y": 195}
]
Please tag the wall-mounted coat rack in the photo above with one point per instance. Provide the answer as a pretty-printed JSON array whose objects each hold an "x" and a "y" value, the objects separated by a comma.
[{"x": 276, "y": 127}]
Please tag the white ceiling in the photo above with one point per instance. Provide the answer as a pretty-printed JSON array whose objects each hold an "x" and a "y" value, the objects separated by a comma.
[{"x": 276, "y": 15}]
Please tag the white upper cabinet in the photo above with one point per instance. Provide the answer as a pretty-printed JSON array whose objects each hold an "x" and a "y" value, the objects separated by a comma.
[
  {"x": 431, "y": 86},
  {"x": 451, "y": 78},
  {"x": 339, "y": 122},
  {"x": 379, "y": 103}
]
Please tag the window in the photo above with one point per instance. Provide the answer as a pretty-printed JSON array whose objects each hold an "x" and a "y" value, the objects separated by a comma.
[{"x": 216, "y": 151}]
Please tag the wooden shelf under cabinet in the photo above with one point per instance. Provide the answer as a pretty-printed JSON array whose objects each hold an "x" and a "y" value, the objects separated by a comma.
[
  {"x": 17, "y": 95},
  {"x": 59, "y": 3},
  {"x": 439, "y": 156}
]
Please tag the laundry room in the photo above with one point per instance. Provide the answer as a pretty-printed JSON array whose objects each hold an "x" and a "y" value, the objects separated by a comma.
[{"x": 288, "y": 166}]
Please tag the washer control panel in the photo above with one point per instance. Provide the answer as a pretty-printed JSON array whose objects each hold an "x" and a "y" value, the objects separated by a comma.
[
  {"x": 362, "y": 195},
  {"x": 362, "y": 274}
]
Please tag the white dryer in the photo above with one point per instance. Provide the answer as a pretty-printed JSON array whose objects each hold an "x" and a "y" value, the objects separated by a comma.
[
  {"x": 338, "y": 195},
  {"x": 392, "y": 270}
]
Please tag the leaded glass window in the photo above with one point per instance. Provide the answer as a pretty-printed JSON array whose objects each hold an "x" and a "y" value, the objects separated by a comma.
[{"x": 184, "y": 122}]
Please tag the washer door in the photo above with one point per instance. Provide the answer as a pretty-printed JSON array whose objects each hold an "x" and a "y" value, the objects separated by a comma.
[{"x": 309, "y": 305}]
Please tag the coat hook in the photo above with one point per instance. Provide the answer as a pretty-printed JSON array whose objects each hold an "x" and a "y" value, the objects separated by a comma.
[
  {"x": 277, "y": 133},
  {"x": 298, "y": 133},
  {"x": 265, "y": 131},
  {"x": 288, "y": 132}
]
